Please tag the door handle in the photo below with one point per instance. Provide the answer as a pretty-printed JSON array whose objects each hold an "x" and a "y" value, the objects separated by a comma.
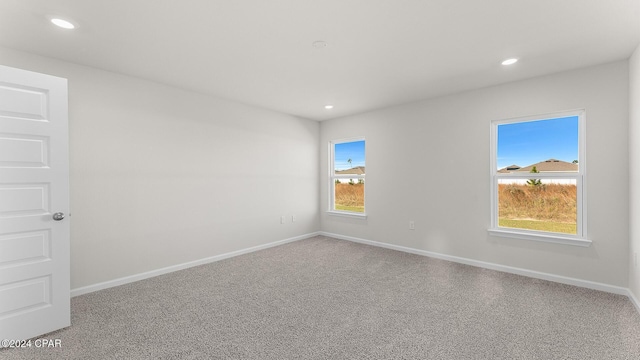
[{"x": 58, "y": 216}]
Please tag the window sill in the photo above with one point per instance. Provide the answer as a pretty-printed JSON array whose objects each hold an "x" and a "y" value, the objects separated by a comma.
[
  {"x": 550, "y": 238},
  {"x": 361, "y": 216}
]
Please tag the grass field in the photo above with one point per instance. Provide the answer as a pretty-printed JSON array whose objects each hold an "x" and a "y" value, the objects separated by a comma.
[
  {"x": 350, "y": 197},
  {"x": 549, "y": 207},
  {"x": 539, "y": 225},
  {"x": 350, "y": 208}
]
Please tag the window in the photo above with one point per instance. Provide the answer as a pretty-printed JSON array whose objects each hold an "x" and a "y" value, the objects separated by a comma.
[
  {"x": 537, "y": 178},
  {"x": 346, "y": 179}
]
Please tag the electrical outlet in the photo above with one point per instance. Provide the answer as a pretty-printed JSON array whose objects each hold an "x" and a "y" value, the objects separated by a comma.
[
  {"x": 282, "y": 219},
  {"x": 293, "y": 218},
  {"x": 412, "y": 225}
]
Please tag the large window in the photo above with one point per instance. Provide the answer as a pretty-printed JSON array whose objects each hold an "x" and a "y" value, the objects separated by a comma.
[
  {"x": 537, "y": 178},
  {"x": 347, "y": 174}
]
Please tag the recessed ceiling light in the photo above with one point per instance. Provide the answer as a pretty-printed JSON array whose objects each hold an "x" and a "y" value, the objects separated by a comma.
[
  {"x": 319, "y": 44},
  {"x": 63, "y": 23},
  {"x": 328, "y": 107},
  {"x": 510, "y": 61}
]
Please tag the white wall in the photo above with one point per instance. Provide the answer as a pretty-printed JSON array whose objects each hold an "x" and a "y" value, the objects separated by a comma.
[
  {"x": 445, "y": 144},
  {"x": 634, "y": 166},
  {"x": 161, "y": 176}
]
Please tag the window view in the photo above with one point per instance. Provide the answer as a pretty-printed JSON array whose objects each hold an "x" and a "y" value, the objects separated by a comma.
[
  {"x": 348, "y": 173},
  {"x": 538, "y": 175}
]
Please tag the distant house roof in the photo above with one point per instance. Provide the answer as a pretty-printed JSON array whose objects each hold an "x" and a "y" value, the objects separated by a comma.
[
  {"x": 551, "y": 165},
  {"x": 509, "y": 169},
  {"x": 358, "y": 170}
]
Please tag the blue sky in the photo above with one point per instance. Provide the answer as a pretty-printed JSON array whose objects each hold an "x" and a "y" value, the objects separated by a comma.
[
  {"x": 350, "y": 150},
  {"x": 527, "y": 143}
]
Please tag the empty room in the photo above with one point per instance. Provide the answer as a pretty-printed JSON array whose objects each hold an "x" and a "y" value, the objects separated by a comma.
[{"x": 297, "y": 179}]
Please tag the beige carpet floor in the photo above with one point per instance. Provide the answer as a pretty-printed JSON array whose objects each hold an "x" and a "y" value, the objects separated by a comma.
[{"x": 323, "y": 298}]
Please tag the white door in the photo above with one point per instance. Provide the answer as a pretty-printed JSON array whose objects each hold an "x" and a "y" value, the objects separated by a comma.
[{"x": 34, "y": 185}]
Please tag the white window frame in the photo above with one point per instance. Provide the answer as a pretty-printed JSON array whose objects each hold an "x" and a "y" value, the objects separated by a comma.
[
  {"x": 333, "y": 177},
  {"x": 580, "y": 238}
]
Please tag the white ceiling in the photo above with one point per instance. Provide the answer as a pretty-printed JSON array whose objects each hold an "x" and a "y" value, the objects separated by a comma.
[{"x": 379, "y": 53}]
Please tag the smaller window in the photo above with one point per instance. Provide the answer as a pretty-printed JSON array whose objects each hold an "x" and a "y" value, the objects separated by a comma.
[{"x": 347, "y": 176}]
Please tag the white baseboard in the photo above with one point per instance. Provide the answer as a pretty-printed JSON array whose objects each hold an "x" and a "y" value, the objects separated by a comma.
[
  {"x": 634, "y": 300},
  {"x": 486, "y": 265},
  {"x": 168, "y": 269},
  {"x": 491, "y": 266}
]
